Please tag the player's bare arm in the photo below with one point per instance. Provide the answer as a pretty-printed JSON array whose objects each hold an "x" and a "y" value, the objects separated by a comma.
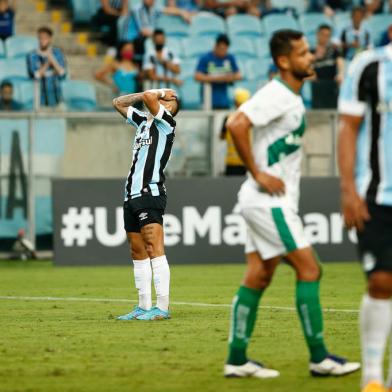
[
  {"x": 354, "y": 208},
  {"x": 121, "y": 104},
  {"x": 239, "y": 127},
  {"x": 151, "y": 99}
]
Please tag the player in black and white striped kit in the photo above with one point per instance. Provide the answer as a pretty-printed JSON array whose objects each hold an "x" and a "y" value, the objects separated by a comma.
[{"x": 145, "y": 196}]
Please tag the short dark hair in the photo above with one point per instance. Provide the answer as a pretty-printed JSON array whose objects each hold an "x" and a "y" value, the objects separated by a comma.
[
  {"x": 158, "y": 32},
  {"x": 280, "y": 43},
  {"x": 358, "y": 8},
  {"x": 6, "y": 83},
  {"x": 222, "y": 39},
  {"x": 324, "y": 26},
  {"x": 46, "y": 30},
  {"x": 174, "y": 114}
]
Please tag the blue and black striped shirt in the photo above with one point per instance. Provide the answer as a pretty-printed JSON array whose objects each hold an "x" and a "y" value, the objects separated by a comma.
[{"x": 151, "y": 151}]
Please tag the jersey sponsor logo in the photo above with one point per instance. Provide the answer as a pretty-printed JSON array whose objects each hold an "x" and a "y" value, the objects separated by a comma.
[
  {"x": 286, "y": 145},
  {"x": 139, "y": 143},
  {"x": 143, "y": 216}
]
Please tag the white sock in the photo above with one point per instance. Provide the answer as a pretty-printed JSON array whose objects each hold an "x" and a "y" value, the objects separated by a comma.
[
  {"x": 389, "y": 381},
  {"x": 161, "y": 270},
  {"x": 375, "y": 325},
  {"x": 143, "y": 274}
]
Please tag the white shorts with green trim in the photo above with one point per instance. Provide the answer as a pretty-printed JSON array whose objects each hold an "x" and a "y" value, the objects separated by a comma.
[{"x": 273, "y": 231}]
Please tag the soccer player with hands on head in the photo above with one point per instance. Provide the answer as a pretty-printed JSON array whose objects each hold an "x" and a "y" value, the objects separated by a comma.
[
  {"x": 145, "y": 196},
  {"x": 268, "y": 201}
]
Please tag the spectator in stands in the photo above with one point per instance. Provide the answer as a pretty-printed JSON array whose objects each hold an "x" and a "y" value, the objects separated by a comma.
[
  {"x": 234, "y": 164},
  {"x": 191, "y": 6},
  {"x": 372, "y": 6},
  {"x": 355, "y": 38},
  {"x": 161, "y": 65},
  {"x": 7, "y": 102},
  {"x": 329, "y": 62},
  {"x": 122, "y": 74},
  {"x": 107, "y": 17},
  {"x": 220, "y": 69},
  {"x": 231, "y": 7},
  {"x": 47, "y": 65},
  {"x": 146, "y": 17},
  {"x": 273, "y": 71},
  {"x": 329, "y": 7},
  {"x": 386, "y": 37},
  {"x": 7, "y": 16}
]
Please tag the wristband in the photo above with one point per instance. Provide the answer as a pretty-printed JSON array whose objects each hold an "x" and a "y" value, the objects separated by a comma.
[{"x": 163, "y": 93}]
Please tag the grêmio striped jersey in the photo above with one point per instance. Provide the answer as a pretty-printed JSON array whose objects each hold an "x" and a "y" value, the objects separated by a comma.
[
  {"x": 151, "y": 151},
  {"x": 367, "y": 92}
]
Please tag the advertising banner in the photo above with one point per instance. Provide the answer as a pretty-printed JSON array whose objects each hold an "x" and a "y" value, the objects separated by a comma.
[{"x": 200, "y": 223}]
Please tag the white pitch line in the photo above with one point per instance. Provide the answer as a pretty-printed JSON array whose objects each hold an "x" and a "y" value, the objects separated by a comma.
[{"x": 197, "y": 304}]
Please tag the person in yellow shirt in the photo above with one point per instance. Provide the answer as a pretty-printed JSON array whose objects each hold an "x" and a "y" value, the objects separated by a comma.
[{"x": 233, "y": 163}]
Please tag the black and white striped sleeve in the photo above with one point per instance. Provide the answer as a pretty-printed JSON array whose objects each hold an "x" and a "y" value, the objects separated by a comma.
[
  {"x": 135, "y": 117},
  {"x": 166, "y": 119}
]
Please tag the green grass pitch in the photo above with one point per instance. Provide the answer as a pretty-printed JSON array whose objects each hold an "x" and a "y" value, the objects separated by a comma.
[{"x": 79, "y": 346}]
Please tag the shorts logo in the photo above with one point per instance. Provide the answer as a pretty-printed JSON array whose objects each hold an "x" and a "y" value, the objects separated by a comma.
[
  {"x": 369, "y": 261},
  {"x": 143, "y": 216}
]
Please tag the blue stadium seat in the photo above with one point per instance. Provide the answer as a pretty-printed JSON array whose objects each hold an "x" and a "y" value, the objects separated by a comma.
[
  {"x": 207, "y": 24},
  {"x": 378, "y": 24},
  {"x": 244, "y": 25},
  {"x": 24, "y": 93},
  {"x": 20, "y": 45},
  {"x": 257, "y": 69},
  {"x": 341, "y": 20},
  {"x": 242, "y": 48},
  {"x": 84, "y": 10},
  {"x": 197, "y": 46},
  {"x": 190, "y": 94},
  {"x": 188, "y": 68},
  {"x": 274, "y": 22},
  {"x": 309, "y": 23},
  {"x": 174, "y": 26},
  {"x": 13, "y": 69},
  {"x": 251, "y": 85},
  {"x": 299, "y": 5},
  {"x": 79, "y": 95},
  {"x": 262, "y": 48}
]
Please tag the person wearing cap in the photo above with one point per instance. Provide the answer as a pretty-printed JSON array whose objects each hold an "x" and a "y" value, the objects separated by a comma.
[{"x": 233, "y": 163}]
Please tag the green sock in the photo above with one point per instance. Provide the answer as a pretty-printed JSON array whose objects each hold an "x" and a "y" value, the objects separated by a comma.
[
  {"x": 244, "y": 313},
  {"x": 310, "y": 313}
]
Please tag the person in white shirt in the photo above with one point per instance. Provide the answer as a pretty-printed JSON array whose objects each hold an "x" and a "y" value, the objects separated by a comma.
[{"x": 268, "y": 201}]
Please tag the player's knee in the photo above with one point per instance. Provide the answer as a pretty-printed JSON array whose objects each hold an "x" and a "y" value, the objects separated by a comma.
[
  {"x": 138, "y": 253},
  {"x": 380, "y": 285},
  {"x": 311, "y": 273}
]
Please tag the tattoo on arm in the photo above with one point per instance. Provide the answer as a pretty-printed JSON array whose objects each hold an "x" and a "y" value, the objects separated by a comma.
[{"x": 121, "y": 104}]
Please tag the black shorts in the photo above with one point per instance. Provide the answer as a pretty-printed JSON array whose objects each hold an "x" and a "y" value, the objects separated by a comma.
[
  {"x": 142, "y": 211},
  {"x": 375, "y": 241}
]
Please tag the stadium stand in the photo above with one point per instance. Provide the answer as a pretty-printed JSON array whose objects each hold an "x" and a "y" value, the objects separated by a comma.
[
  {"x": 84, "y": 10},
  {"x": 207, "y": 24},
  {"x": 2, "y": 50},
  {"x": 24, "y": 93},
  {"x": 20, "y": 45},
  {"x": 190, "y": 94},
  {"x": 378, "y": 24},
  {"x": 244, "y": 26},
  {"x": 195, "y": 47},
  {"x": 276, "y": 22},
  {"x": 242, "y": 48},
  {"x": 174, "y": 26},
  {"x": 79, "y": 95},
  {"x": 13, "y": 69}
]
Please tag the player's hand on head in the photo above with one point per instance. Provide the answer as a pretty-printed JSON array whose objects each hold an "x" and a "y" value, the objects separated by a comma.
[
  {"x": 273, "y": 185},
  {"x": 355, "y": 211},
  {"x": 170, "y": 95}
]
